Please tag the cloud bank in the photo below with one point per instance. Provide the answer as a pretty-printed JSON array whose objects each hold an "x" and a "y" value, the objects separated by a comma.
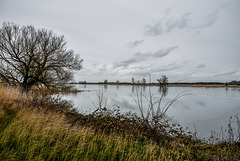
[
  {"x": 186, "y": 21},
  {"x": 138, "y": 57},
  {"x": 134, "y": 44}
]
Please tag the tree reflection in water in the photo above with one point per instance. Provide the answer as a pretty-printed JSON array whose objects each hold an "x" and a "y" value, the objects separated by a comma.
[{"x": 163, "y": 90}]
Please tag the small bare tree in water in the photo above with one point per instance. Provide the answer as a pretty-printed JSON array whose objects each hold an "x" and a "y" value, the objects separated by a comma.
[{"x": 163, "y": 81}]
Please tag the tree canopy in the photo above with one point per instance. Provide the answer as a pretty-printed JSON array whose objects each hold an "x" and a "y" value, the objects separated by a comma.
[
  {"x": 30, "y": 56},
  {"x": 163, "y": 80}
]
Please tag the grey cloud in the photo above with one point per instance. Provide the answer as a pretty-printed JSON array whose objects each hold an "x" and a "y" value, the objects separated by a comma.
[
  {"x": 103, "y": 68},
  {"x": 158, "y": 54},
  {"x": 168, "y": 68},
  {"x": 154, "y": 29},
  {"x": 169, "y": 25},
  {"x": 211, "y": 18},
  {"x": 201, "y": 65},
  {"x": 227, "y": 73},
  {"x": 95, "y": 64},
  {"x": 138, "y": 57},
  {"x": 172, "y": 66},
  {"x": 186, "y": 21},
  {"x": 186, "y": 61},
  {"x": 186, "y": 77},
  {"x": 202, "y": 104},
  {"x": 181, "y": 23},
  {"x": 134, "y": 44},
  {"x": 126, "y": 63},
  {"x": 174, "y": 63},
  {"x": 168, "y": 10},
  {"x": 208, "y": 21},
  {"x": 156, "y": 70},
  {"x": 139, "y": 73},
  {"x": 224, "y": 5},
  {"x": 141, "y": 67}
]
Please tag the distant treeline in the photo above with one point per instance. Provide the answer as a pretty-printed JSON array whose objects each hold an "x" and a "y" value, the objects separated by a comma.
[
  {"x": 181, "y": 83},
  {"x": 176, "y": 83}
]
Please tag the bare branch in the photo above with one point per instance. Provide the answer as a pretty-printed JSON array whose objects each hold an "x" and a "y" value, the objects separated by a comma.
[{"x": 30, "y": 56}]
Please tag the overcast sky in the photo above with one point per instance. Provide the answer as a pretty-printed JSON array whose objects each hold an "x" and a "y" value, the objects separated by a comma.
[{"x": 186, "y": 40}]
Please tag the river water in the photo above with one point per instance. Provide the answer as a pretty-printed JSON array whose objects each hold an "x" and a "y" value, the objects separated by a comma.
[{"x": 205, "y": 110}]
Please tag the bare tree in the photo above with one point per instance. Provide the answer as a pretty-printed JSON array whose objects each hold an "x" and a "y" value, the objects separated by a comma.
[
  {"x": 105, "y": 81},
  {"x": 163, "y": 80},
  {"x": 133, "y": 80},
  {"x": 144, "y": 81},
  {"x": 30, "y": 56}
]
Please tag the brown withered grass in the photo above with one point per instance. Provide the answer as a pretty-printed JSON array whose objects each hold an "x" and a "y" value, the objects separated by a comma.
[{"x": 34, "y": 130}]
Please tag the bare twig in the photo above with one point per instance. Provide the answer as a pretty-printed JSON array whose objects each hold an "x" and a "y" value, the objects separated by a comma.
[{"x": 154, "y": 113}]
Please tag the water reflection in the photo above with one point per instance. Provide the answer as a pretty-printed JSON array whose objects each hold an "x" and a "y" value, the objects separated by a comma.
[
  {"x": 139, "y": 88},
  {"x": 144, "y": 88},
  {"x": 236, "y": 89},
  {"x": 226, "y": 89},
  {"x": 105, "y": 86},
  {"x": 208, "y": 108},
  {"x": 163, "y": 90},
  {"x": 133, "y": 89}
]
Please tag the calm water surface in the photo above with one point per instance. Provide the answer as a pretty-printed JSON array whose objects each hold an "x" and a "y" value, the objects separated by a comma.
[{"x": 208, "y": 108}]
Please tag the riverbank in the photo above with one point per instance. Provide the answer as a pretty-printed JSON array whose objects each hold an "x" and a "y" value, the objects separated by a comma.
[
  {"x": 203, "y": 84},
  {"x": 47, "y": 128}
]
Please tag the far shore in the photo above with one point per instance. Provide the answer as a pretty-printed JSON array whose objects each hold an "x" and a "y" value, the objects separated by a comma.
[{"x": 198, "y": 84}]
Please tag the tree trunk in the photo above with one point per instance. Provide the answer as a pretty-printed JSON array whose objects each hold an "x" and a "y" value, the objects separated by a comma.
[{"x": 24, "y": 84}]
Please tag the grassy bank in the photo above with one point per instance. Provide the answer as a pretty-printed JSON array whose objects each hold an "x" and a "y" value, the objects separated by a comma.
[{"x": 39, "y": 127}]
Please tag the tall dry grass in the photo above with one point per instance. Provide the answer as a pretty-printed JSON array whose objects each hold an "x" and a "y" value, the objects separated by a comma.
[
  {"x": 35, "y": 134},
  {"x": 31, "y": 132}
]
